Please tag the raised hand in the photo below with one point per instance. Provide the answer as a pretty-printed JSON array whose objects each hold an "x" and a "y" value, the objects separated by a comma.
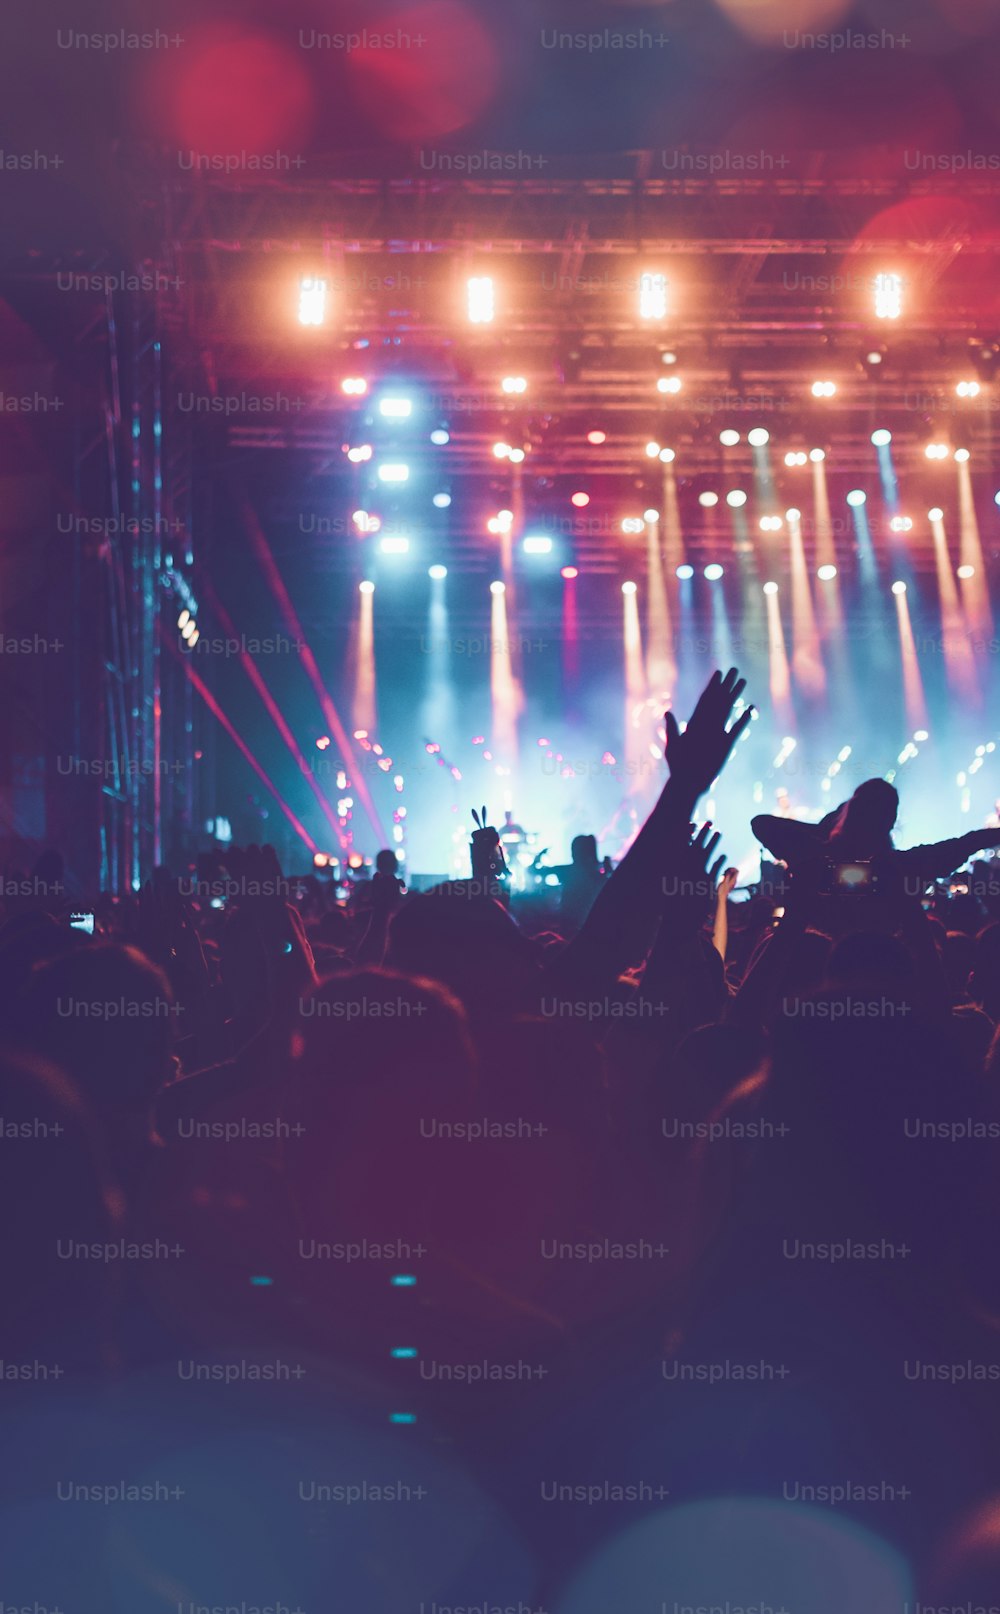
[
  {"x": 699, "y": 754},
  {"x": 727, "y": 884}
]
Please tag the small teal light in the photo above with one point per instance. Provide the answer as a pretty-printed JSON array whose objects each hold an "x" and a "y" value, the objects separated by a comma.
[
  {"x": 287, "y": 947},
  {"x": 403, "y": 1280},
  {"x": 261, "y": 1283},
  {"x": 402, "y": 1417},
  {"x": 404, "y": 1351}
]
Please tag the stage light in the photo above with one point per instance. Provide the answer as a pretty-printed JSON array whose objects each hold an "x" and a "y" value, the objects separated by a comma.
[
  {"x": 514, "y": 383},
  {"x": 792, "y": 514},
  {"x": 628, "y": 588},
  {"x": 498, "y": 588},
  {"x": 481, "y": 304},
  {"x": 652, "y": 296},
  {"x": 581, "y": 500},
  {"x": 597, "y": 437},
  {"x": 360, "y": 453},
  {"x": 569, "y": 572},
  {"x": 632, "y": 524},
  {"x": 824, "y": 389},
  {"x": 758, "y": 437},
  {"x": 394, "y": 546},
  {"x": 394, "y": 473},
  {"x": 961, "y": 455},
  {"x": 936, "y": 451},
  {"x": 667, "y": 456},
  {"x": 652, "y": 450},
  {"x": 935, "y": 514},
  {"x": 354, "y": 386},
  {"x": 968, "y": 389},
  {"x": 516, "y": 455},
  {"x": 826, "y": 574},
  {"x": 996, "y": 498},
  {"x": 817, "y": 455},
  {"x": 708, "y": 500},
  {"x": 921, "y": 735},
  {"x": 192, "y": 637},
  {"x": 899, "y": 588},
  {"x": 685, "y": 573},
  {"x": 439, "y": 437},
  {"x": 312, "y": 300},
  {"x": 669, "y": 383},
  {"x": 651, "y": 515},
  {"x": 713, "y": 572},
  {"x": 966, "y": 571},
  {"x": 189, "y": 629},
  {"x": 367, "y": 587},
  {"x": 856, "y": 496},
  {"x": 900, "y": 524},
  {"x": 537, "y": 546},
  {"x": 736, "y": 499},
  {"x": 874, "y": 357},
  {"x": 770, "y": 588},
  {"x": 441, "y": 501},
  {"x": 888, "y": 292},
  {"x": 881, "y": 438},
  {"x": 729, "y": 438},
  {"x": 395, "y": 408},
  {"x": 438, "y": 573},
  {"x": 795, "y": 457},
  {"x": 184, "y": 619}
]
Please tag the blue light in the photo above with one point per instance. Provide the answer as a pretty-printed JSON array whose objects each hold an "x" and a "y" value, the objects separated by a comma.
[
  {"x": 439, "y": 437},
  {"x": 261, "y": 1283},
  {"x": 402, "y": 1417},
  {"x": 713, "y": 572},
  {"x": 403, "y": 1280},
  {"x": 685, "y": 573},
  {"x": 404, "y": 1352},
  {"x": 856, "y": 497},
  {"x": 881, "y": 438},
  {"x": 441, "y": 501}
]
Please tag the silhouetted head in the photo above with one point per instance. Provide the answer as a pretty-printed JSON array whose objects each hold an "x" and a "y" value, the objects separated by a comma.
[
  {"x": 866, "y": 821},
  {"x": 583, "y": 850},
  {"x": 386, "y": 862}
]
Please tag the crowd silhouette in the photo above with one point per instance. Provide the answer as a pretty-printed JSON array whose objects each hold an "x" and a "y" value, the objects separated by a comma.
[{"x": 650, "y": 1193}]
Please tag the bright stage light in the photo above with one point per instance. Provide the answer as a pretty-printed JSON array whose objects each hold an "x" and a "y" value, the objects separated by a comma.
[
  {"x": 935, "y": 514},
  {"x": 685, "y": 573},
  {"x": 367, "y": 587},
  {"x": 729, "y": 438},
  {"x": 961, "y": 455},
  {"x": 758, "y": 437},
  {"x": 817, "y": 455},
  {"x": 537, "y": 546},
  {"x": 856, "y": 497},
  {"x": 514, "y": 383},
  {"x": 498, "y": 588},
  {"x": 900, "y": 524},
  {"x": 795, "y": 457},
  {"x": 770, "y": 588},
  {"x": 394, "y": 546},
  {"x": 632, "y": 524},
  {"x": 966, "y": 571},
  {"x": 652, "y": 296},
  {"x": 516, "y": 455},
  {"x": 708, "y": 500},
  {"x": 667, "y": 456},
  {"x": 439, "y": 437},
  {"x": 359, "y": 454},
  {"x": 184, "y": 619},
  {"x": 713, "y": 572},
  {"x": 881, "y": 438},
  {"x": 597, "y": 437},
  {"x": 996, "y": 498},
  {"x": 823, "y": 389},
  {"x": 888, "y": 293},
  {"x": 395, "y": 408},
  {"x": 736, "y": 499},
  {"x": 312, "y": 300},
  {"x": 394, "y": 473},
  {"x": 354, "y": 386},
  {"x": 770, "y": 523},
  {"x": 581, "y": 500},
  {"x": 628, "y": 588},
  {"x": 936, "y": 451},
  {"x": 366, "y": 522},
  {"x": 792, "y": 514},
  {"x": 651, "y": 515},
  {"x": 441, "y": 501},
  {"x": 826, "y": 574},
  {"x": 569, "y": 572},
  {"x": 968, "y": 389},
  {"x": 501, "y": 451},
  {"x": 669, "y": 383},
  {"x": 899, "y": 588},
  {"x": 437, "y": 572},
  {"x": 480, "y": 304}
]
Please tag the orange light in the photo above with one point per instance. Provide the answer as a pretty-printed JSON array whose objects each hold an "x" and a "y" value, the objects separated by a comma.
[
  {"x": 597, "y": 437},
  {"x": 580, "y": 500},
  {"x": 569, "y": 572}
]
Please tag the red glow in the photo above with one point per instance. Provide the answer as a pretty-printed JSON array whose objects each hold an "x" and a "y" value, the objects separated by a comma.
[
  {"x": 231, "y": 91},
  {"x": 417, "y": 91}
]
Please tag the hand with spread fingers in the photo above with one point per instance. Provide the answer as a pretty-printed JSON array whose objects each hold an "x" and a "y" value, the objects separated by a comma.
[{"x": 698, "y": 754}]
